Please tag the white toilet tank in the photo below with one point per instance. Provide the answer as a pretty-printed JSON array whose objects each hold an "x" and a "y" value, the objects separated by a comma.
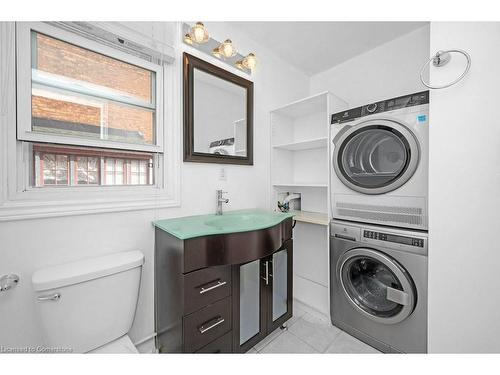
[{"x": 86, "y": 304}]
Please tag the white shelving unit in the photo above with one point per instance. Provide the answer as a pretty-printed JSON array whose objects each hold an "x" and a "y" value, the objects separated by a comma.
[
  {"x": 307, "y": 144},
  {"x": 300, "y": 149}
]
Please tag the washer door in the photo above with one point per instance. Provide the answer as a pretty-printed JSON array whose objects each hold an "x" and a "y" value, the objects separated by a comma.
[
  {"x": 376, "y": 285},
  {"x": 375, "y": 156}
]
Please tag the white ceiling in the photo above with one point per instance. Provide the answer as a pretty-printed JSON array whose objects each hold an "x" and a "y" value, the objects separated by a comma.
[{"x": 314, "y": 47}]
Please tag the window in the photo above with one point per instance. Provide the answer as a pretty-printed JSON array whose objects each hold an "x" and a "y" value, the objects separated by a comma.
[
  {"x": 83, "y": 123},
  {"x": 84, "y": 94}
]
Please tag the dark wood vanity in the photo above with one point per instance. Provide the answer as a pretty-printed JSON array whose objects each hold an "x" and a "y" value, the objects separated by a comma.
[{"x": 222, "y": 293}]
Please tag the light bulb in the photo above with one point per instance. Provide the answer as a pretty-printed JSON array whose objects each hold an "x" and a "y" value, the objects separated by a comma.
[
  {"x": 227, "y": 49},
  {"x": 216, "y": 52},
  {"x": 188, "y": 40},
  {"x": 239, "y": 64},
  {"x": 199, "y": 33},
  {"x": 250, "y": 61}
]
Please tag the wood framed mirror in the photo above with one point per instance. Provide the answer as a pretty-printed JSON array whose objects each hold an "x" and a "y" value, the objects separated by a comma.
[{"x": 218, "y": 114}]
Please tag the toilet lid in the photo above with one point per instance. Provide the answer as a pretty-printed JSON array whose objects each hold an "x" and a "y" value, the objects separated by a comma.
[{"x": 121, "y": 345}]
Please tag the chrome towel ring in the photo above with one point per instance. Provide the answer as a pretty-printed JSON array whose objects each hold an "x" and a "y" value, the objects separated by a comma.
[{"x": 441, "y": 58}]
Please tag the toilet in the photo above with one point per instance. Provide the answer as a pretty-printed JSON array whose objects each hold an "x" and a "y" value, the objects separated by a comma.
[{"x": 89, "y": 306}]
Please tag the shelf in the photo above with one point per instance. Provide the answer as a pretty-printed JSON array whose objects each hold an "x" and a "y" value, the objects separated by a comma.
[
  {"x": 305, "y": 184},
  {"x": 311, "y": 217},
  {"x": 304, "y": 107},
  {"x": 304, "y": 145}
]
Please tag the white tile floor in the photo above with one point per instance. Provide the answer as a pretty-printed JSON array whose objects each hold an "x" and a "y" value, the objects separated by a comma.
[{"x": 310, "y": 333}]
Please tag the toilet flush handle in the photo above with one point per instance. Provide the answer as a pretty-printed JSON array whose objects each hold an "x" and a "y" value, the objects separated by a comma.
[{"x": 53, "y": 297}]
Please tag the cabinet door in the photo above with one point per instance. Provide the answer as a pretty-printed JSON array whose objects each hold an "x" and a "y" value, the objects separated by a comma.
[
  {"x": 280, "y": 286},
  {"x": 249, "y": 323}
]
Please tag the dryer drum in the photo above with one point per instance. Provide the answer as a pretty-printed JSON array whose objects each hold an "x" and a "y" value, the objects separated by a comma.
[{"x": 376, "y": 156}]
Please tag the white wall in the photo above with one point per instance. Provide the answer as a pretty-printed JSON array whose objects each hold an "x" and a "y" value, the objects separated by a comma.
[
  {"x": 31, "y": 244},
  {"x": 387, "y": 71},
  {"x": 464, "y": 180}
]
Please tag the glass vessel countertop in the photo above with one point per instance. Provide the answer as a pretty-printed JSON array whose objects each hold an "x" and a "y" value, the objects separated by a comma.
[{"x": 230, "y": 222}]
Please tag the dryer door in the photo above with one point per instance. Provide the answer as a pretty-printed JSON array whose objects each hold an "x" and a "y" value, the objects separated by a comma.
[
  {"x": 376, "y": 285},
  {"x": 375, "y": 156}
]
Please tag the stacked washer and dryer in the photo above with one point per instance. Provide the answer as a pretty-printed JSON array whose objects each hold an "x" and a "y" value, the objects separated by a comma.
[{"x": 379, "y": 241}]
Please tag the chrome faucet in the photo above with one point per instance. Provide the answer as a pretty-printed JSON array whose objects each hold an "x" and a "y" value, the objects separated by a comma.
[{"x": 220, "y": 200}]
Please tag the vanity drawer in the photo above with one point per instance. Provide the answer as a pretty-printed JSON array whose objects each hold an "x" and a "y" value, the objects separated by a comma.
[
  {"x": 223, "y": 344},
  {"x": 206, "y": 286},
  {"x": 206, "y": 325}
]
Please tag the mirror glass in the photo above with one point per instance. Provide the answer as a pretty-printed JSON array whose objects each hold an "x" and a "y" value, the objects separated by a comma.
[{"x": 219, "y": 116}]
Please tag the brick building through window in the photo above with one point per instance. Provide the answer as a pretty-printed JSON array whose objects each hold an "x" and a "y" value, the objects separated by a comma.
[{"x": 56, "y": 63}]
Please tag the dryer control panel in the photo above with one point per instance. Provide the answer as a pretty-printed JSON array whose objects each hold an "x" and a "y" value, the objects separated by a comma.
[{"x": 411, "y": 100}]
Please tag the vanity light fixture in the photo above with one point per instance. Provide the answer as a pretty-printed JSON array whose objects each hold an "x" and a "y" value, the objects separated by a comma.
[
  {"x": 198, "y": 34},
  {"x": 226, "y": 49},
  {"x": 248, "y": 62}
]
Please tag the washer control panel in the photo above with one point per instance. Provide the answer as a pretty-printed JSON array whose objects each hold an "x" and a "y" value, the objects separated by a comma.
[
  {"x": 389, "y": 237},
  {"x": 380, "y": 237}
]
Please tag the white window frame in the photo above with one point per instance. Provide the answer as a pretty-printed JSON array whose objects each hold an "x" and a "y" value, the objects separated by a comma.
[
  {"x": 24, "y": 84},
  {"x": 20, "y": 200}
]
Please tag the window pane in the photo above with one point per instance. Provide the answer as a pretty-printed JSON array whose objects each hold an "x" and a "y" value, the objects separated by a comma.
[
  {"x": 49, "y": 161},
  {"x": 119, "y": 164},
  {"x": 93, "y": 166},
  {"x": 93, "y": 178},
  {"x": 69, "y": 61},
  {"x": 76, "y": 115},
  {"x": 49, "y": 177},
  {"x": 53, "y": 166},
  {"x": 81, "y": 163},
  {"x": 134, "y": 180},
  {"x": 134, "y": 166},
  {"x": 110, "y": 165},
  {"x": 61, "y": 177},
  {"x": 119, "y": 178},
  {"x": 62, "y": 161},
  {"x": 77, "y": 92}
]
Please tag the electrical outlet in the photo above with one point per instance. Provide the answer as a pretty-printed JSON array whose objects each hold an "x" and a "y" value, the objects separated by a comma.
[{"x": 222, "y": 174}]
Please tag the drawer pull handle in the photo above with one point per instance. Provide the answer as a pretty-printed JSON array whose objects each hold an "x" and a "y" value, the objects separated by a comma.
[
  {"x": 217, "y": 321},
  {"x": 219, "y": 284},
  {"x": 266, "y": 268}
]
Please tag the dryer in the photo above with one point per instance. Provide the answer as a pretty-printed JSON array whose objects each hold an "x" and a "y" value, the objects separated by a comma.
[{"x": 379, "y": 162}]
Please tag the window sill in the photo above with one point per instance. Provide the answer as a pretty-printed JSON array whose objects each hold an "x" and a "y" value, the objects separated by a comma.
[{"x": 31, "y": 209}]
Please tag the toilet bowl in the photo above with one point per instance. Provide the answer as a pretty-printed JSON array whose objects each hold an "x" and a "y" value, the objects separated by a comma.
[{"x": 89, "y": 305}]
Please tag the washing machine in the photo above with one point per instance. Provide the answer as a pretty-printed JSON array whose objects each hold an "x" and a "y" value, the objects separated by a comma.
[
  {"x": 379, "y": 162},
  {"x": 222, "y": 147},
  {"x": 378, "y": 285}
]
